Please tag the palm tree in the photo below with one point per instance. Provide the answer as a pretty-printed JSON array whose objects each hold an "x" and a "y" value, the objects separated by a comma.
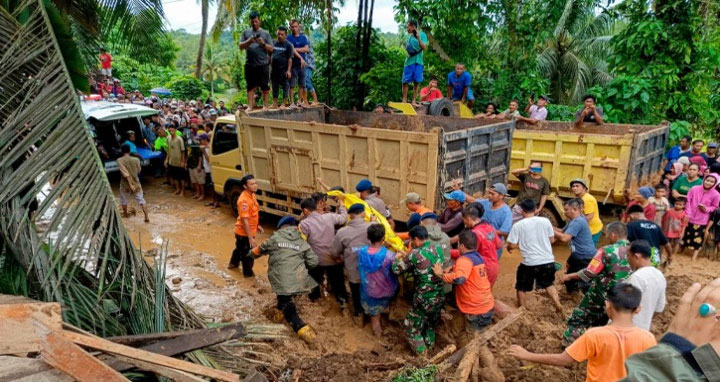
[
  {"x": 214, "y": 68},
  {"x": 204, "y": 4},
  {"x": 574, "y": 57}
]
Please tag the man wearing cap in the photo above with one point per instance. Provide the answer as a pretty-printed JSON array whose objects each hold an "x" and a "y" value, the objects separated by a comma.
[
  {"x": 347, "y": 242},
  {"x": 577, "y": 234},
  {"x": 537, "y": 112},
  {"x": 590, "y": 208},
  {"x": 414, "y": 204},
  {"x": 258, "y": 43},
  {"x": 369, "y": 195},
  {"x": 711, "y": 153},
  {"x": 497, "y": 212},
  {"x": 533, "y": 186},
  {"x": 247, "y": 226},
  {"x": 319, "y": 230},
  {"x": 289, "y": 259},
  {"x": 451, "y": 219}
]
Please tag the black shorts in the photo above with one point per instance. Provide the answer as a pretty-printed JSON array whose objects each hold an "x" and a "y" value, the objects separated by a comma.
[
  {"x": 177, "y": 173},
  {"x": 257, "y": 77},
  {"x": 208, "y": 181},
  {"x": 539, "y": 276}
]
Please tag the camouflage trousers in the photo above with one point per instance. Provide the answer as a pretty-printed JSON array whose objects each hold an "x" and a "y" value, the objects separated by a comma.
[
  {"x": 421, "y": 320},
  {"x": 586, "y": 315}
]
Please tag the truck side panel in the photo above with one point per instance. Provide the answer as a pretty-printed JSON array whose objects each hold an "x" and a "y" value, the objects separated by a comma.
[
  {"x": 602, "y": 160},
  {"x": 648, "y": 154},
  {"x": 479, "y": 156},
  {"x": 287, "y": 157}
]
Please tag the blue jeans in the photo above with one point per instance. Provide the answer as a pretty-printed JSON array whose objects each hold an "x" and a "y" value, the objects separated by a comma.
[{"x": 308, "y": 80}]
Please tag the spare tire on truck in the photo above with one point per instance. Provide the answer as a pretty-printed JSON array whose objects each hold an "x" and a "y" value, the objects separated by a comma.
[{"x": 443, "y": 107}]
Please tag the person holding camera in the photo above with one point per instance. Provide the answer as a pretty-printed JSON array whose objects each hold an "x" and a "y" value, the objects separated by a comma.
[
  {"x": 589, "y": 113},
  {"x": 258, "y": 44},
  {"x": 413, "y": 71}
]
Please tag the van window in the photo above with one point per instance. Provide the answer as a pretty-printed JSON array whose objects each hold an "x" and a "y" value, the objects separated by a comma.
[{"x": 224, "y": 138}]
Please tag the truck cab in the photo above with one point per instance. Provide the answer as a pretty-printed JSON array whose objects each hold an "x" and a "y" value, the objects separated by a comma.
[{"x": 227, "y": 159}]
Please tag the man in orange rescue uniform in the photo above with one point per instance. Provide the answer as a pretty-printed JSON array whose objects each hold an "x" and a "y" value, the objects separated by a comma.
[{"x": 246, "y": 227}]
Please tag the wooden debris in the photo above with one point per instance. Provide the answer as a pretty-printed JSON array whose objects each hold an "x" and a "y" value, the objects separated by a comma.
[
  {"x": 62, "y": 354},
  {"x": 175, "y": 375},
  {"x": 144, "y": 355},
  {"x": 442, "y": 354},
  {"x": 469, "y": 354},
  {"x": 17, "y": 332},
  {"x": 16, "y": 367}
]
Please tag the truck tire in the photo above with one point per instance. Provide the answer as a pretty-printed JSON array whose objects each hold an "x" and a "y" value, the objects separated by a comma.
[
  {"x": 550, "y": 215},
  {"x": 233, "y": 194},
  {"x": 442, "y": 107}
]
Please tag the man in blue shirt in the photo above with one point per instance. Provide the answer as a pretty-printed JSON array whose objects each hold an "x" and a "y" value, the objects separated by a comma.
[
  {"x": 413, "y": 70},
  {"x": 496, "y": 211},
  {"x": 302, "y": 46},
  {"x": 675, "y": 152},
  {"x": 582, "y": 247},
  {"x": 131, "y": 143},
  {"x": 458, "y": 85}
]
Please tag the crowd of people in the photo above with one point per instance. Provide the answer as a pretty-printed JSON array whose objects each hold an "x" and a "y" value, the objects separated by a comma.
[{"x": 450, "y": 260}]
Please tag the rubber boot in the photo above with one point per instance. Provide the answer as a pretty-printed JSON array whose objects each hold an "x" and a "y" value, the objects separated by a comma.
[{"x": 307, "y": 334}]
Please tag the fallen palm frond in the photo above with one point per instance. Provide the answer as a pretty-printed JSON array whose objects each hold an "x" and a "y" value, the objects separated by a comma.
[{"x": 61, "y": 237}]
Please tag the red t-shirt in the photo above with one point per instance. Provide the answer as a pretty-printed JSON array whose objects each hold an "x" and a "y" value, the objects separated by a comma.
[
  {"x": 106, "y": 61},
  {"x": 673, "y": 223},
  {"x": 431, "y": 95},
  {"x": 488, "y": 244},
  {"x": 649, "y": 210}
]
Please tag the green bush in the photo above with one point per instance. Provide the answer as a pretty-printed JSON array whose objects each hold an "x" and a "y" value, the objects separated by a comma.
[
  {"x": 143, "y": 77},
  {"x": 425, "y": 374},
  {"x": 561, "y": 112},
  {"x": 187, "y": 87}
]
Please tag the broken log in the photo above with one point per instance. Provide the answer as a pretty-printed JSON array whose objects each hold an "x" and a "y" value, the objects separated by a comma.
[
  {"x": 171, "y": 343},
  {"x": 481, "y": 339},
  {"x": 163, "y": 371},
  {"x": 144, "y": 355}
]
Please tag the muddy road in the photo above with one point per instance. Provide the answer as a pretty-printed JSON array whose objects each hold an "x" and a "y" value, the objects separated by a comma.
[{"x": 201, "y": 241}]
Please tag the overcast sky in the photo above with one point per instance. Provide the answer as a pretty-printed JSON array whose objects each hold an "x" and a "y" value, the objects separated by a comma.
[{"x": 185, "y": 14}]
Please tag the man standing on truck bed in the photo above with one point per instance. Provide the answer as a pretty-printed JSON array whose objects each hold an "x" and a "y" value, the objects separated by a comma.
[
  {"x": 591, "y": 113},
  {"x": 458, "y": 85},
  {"x": 533, "y": 186},
  {"x": 590, "y": 209},
  {"x": 413, "y": 70},
  {"x": 258, "y": 43},
  {"x": 301, "y": 45},
  {"x": 247, "y": 226}
]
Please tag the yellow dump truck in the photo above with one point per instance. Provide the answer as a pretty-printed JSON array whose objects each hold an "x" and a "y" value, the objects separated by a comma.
[
  {"x": 614, "y": 159},
  {"x": 288, "y": 150}
]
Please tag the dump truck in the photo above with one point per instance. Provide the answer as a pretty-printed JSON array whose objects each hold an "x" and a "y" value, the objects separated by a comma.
[
  {"x": 289, "y": 151},
  {"x": 614, "y": 159}
]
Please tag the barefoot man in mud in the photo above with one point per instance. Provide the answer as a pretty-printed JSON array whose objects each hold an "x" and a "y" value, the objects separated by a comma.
[
  {"x": 130, "y": 183},
  {"x": 247, "y": 226}
]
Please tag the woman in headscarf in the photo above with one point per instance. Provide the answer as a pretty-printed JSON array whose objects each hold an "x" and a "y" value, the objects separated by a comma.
[
  {"x": 642, "y": 198},
  {"x": 702, "y": 200},
  {"x": 675, "y": 171}
]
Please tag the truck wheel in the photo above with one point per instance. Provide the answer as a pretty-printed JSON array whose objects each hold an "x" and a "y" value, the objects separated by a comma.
[
  {"x": 550, "y": 215},
  {"x": 443, "y": 107},
  {"x": 233, "y": 194}
]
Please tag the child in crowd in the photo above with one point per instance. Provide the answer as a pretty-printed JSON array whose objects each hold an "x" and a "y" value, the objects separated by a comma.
[
  {"x": 674, "y": 223},
  {"x": 642, "y": 198},
  {"x": 473, "y": 294},
  {"x": 429, "y": 295},
  {"x": 377, "y": 282},
  {"x": 207, "y": 170},
  {"x": 289, "y": 258},
  {"x": 660, "y": 201},
  {"x": 605, "y": 347}
]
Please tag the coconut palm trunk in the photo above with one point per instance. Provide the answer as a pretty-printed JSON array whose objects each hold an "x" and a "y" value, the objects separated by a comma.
[{"x": 204, "y": 4}]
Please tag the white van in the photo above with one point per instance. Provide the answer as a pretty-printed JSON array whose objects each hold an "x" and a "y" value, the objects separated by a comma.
[{"x": 109, "y": 123}]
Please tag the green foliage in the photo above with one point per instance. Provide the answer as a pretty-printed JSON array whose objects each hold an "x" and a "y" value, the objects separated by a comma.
[
  {"x": 143, "y": 77},
  {"x": 678, "y": 129},
  {"x": 414, "y": 374},
  {"x": 628, "y": 99},
  {"x": 383, "y": 81},
  {"x": 187, "y": 87},
  {"x": 561, "y": 112},
  {"x": 61, "y": 25}
]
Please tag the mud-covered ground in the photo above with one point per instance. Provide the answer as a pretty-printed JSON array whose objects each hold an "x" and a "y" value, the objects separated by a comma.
[{"x": 200, "y": 244}]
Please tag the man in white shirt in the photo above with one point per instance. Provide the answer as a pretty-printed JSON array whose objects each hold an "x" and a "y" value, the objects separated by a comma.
[
  {"x": 534, "y": 236},
  {"x": 649, "y": 280}
]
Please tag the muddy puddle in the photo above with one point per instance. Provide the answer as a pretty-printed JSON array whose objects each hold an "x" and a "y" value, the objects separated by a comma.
[{"x": 201, "y": 241}]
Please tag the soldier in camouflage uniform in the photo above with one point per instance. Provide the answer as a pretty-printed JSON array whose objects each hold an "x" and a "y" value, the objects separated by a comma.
[
  {"x": 609, "y": 267},
  {"x": 429, "y": 295},
  {"x": 290, "y": 257}
]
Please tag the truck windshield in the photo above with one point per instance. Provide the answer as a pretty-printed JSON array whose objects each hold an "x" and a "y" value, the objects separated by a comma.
[{"x": 224, "y": 138}]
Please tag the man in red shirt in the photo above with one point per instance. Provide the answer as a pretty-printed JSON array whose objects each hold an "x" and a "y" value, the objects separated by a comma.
[
  {"x": 487, "y": 240},
  {"x": 472, "y": 293},
  {"x": 105, "y": 63},
  {"x": 247, "y": 226},
  {"x": 431, "y": 92}
]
